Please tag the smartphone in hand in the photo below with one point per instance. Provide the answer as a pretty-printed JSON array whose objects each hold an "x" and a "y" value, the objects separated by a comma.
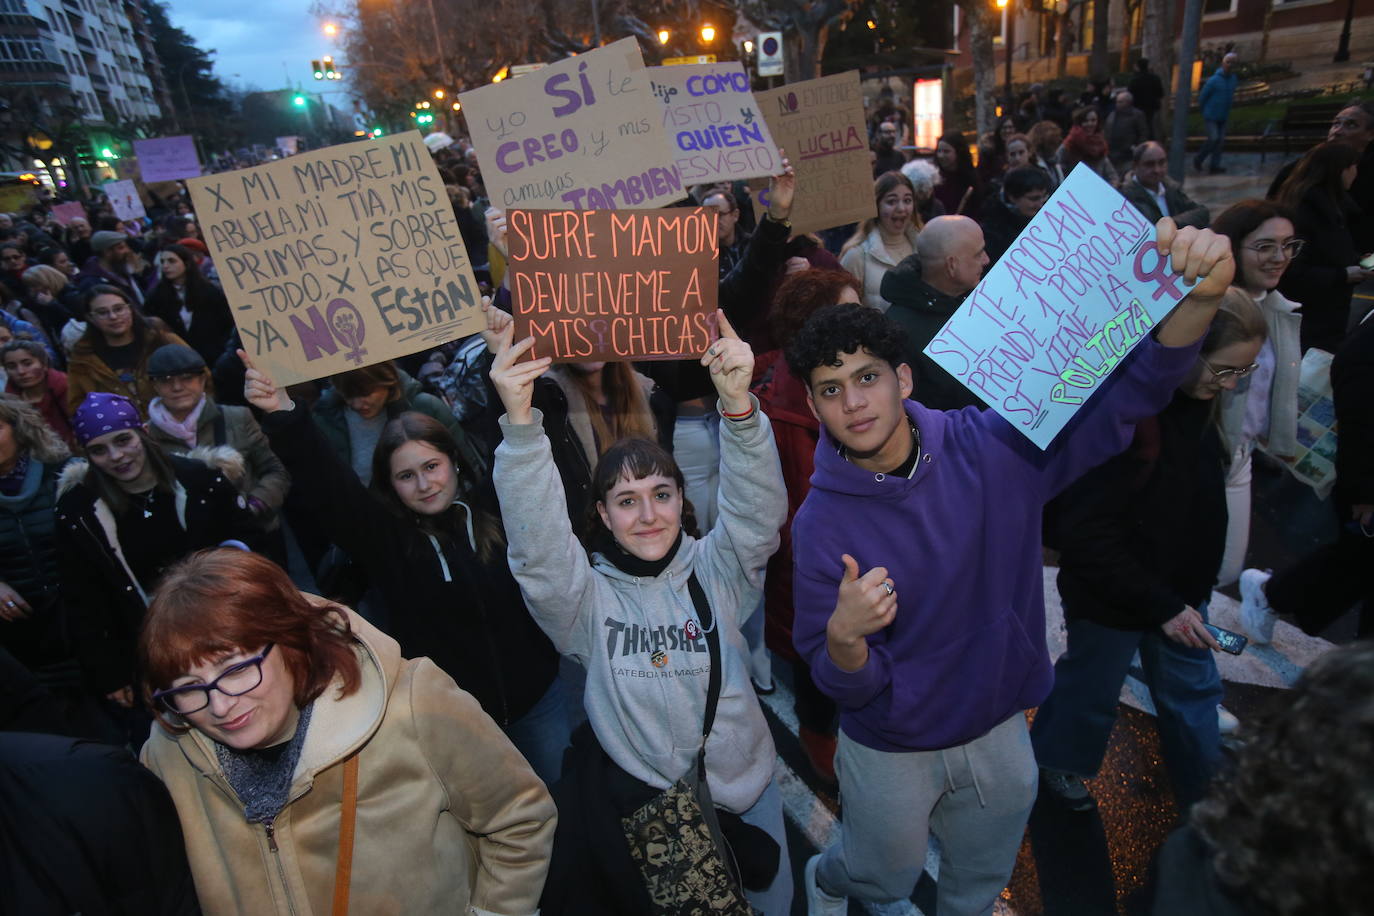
[{"x": 1233, "y": 643}]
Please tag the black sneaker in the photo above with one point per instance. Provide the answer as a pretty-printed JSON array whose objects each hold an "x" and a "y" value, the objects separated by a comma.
[
  {"x": 1216, "y": 170},
  {"x": 1070, "y": 790}
]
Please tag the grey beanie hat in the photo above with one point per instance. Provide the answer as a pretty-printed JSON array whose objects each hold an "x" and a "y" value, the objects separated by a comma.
[{"x": 104, "y": 240}]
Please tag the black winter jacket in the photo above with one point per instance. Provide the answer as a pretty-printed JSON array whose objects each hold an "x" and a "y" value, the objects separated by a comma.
[
  {"x": 1317, "y": 277},
  {"x": 29, "y": 565},
  {"x": 921, "y": 311},
  {"x": 1352, "y": 388},
  {"x": 211, "y": 320},
  {"x": 104, "y": 602},
  {"x": 441, "y": 600},
  {"x": 744, "y": 299},
  {"x": 1142, "y": 535},
  {"x": 84, "y": 828}
]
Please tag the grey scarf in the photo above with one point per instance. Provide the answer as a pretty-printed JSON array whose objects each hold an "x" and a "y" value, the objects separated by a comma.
[{"x": 262, "y": 778}]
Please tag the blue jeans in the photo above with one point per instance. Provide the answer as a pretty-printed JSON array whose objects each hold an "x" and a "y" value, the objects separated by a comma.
[
  {"x": 1216, "y": 138},
  {"x": 542, "y": 734},
  {"x": 766, "y": 814},
  {"x": 696, "y": 448},
  {"x": 1072, "y": 727}
]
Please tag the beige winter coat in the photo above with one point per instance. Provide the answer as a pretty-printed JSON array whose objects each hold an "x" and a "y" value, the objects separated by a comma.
[{"x": 450, "y": 817}]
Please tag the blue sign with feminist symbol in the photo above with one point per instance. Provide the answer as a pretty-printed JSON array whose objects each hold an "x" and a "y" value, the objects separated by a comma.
[{"x": 1081, "y": 286}]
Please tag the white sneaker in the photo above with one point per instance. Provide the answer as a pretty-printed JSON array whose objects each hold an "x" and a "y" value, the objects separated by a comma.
[
  {"x": 1226, "y": 722},
  {"x": 818, "y": 902},
  {"x": 1256, "y": 617}
]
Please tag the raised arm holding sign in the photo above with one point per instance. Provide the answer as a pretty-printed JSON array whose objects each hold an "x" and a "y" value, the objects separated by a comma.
[
  {"x": 1080, "y": 287},
  {"x": 917, "y": 553}
]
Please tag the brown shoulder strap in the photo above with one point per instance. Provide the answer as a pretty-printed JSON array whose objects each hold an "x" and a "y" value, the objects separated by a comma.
[{"x": 344, "y": 870}]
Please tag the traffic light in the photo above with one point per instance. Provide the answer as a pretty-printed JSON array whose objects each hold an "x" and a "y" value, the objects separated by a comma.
[
  {"x": 298, "y": 100},
  {"x": 318, "y": 69},
  {"x": 330, "y": 72}
]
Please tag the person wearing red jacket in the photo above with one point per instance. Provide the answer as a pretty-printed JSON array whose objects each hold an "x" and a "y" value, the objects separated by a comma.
[{"x": 796, "y": 430}]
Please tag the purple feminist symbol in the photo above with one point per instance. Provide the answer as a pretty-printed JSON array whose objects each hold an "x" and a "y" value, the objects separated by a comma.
[
  {"x": 347, "y": 324},
  {"x": 1166, "y": 281}
]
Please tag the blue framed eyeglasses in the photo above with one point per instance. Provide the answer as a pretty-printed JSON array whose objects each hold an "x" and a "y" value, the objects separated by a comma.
[{"x": 233, "y": 681}]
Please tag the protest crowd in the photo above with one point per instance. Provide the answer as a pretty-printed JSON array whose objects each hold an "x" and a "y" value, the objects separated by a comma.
[{"x": 476, "y": 630}]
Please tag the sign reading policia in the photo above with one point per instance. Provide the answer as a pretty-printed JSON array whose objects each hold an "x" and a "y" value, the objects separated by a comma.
[
  {"x": 1058, "y": 313},
  {"x": 610, "y": 285},
  {"x": 339, "y": 258}
]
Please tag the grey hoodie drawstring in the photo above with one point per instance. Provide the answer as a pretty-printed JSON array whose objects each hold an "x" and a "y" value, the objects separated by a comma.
[
  {"x": 439, "y": 552},
  {"x": 982, "y": 803},
  {"x": 973, "y": 774}
]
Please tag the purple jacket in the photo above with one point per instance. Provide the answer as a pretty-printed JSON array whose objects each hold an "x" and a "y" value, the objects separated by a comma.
[{"x": 961, "y": 541}]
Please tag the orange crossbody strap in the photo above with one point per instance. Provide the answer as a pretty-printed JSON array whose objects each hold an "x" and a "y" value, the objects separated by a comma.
[{"x": 343, "y": 872}]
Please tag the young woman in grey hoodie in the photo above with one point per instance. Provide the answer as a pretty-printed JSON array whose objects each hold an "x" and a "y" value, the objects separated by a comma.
[{"x": 622, "y": 606}]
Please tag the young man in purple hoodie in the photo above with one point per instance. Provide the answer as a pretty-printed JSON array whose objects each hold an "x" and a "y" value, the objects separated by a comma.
[{"x": 919, "y": 595}]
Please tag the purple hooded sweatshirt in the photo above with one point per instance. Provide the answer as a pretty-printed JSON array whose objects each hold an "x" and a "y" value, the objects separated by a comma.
[{"x": 961, "y": 542}]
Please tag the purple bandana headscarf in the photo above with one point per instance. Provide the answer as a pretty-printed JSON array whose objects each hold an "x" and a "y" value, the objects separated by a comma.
[{"x": 103, "y": 413}]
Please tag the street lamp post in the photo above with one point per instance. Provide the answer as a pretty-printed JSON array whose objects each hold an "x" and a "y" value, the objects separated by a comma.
[{"x": 1007, "y": 45}]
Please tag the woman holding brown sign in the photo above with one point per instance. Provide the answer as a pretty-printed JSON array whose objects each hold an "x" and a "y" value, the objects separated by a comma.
[{"x": 654, "y": 612}]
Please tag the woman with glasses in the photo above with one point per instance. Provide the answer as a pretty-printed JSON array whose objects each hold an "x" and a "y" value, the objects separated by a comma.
[
  {"x": 112, "y": 356},
  {"x": 185, "y": 418},
  {"x": 1140, "y": 539},
  {"x": 1262, "y": 410},
  {"x": 123, "y": 517},
  {"x": 316, "y": 770},
  {"x": 1327, "y": 270}
]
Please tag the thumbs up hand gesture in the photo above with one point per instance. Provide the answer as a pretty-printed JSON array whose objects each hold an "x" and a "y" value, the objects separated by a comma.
[{"x": 866, "y": 604}]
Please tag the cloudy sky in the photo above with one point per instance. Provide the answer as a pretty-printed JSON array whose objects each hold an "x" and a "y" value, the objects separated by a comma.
[{"x": 253, "y": 38}]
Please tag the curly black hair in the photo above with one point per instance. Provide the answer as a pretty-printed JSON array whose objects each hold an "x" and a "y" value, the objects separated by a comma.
[
  {"x": 845, "y": 328},
  {"x": 1293, "y": 825}
]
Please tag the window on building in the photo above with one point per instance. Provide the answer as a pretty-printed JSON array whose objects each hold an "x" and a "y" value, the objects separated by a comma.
[{"x": 1218, "y": 7}]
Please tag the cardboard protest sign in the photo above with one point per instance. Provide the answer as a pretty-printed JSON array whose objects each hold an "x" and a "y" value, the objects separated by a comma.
[
  {"x": 65, "y": 213},
  {"x": 18, "y": 198},
  {"x": 339, "y": 258},
  {"x": 614, "y": 285},
  {"x": 717, "y": 130},
  {"x": 820, "y": 125},
  {"x": 125, "y": 199},
  {"x": 584, "y": 134},
  {"x": 167, "y": 158},
  {"x": 1073, "y": 295}
]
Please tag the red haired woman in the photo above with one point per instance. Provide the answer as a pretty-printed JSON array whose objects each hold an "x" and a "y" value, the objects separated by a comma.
[{"x": 312, "y": 766}]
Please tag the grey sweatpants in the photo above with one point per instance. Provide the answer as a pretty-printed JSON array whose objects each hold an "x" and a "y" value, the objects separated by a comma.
[{"x": 974, "y": 798}]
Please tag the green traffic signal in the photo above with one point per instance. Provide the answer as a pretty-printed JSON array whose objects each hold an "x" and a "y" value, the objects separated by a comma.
[
  {"x": 317, "y": 69},
  {"x": 298, "y": 101}
]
